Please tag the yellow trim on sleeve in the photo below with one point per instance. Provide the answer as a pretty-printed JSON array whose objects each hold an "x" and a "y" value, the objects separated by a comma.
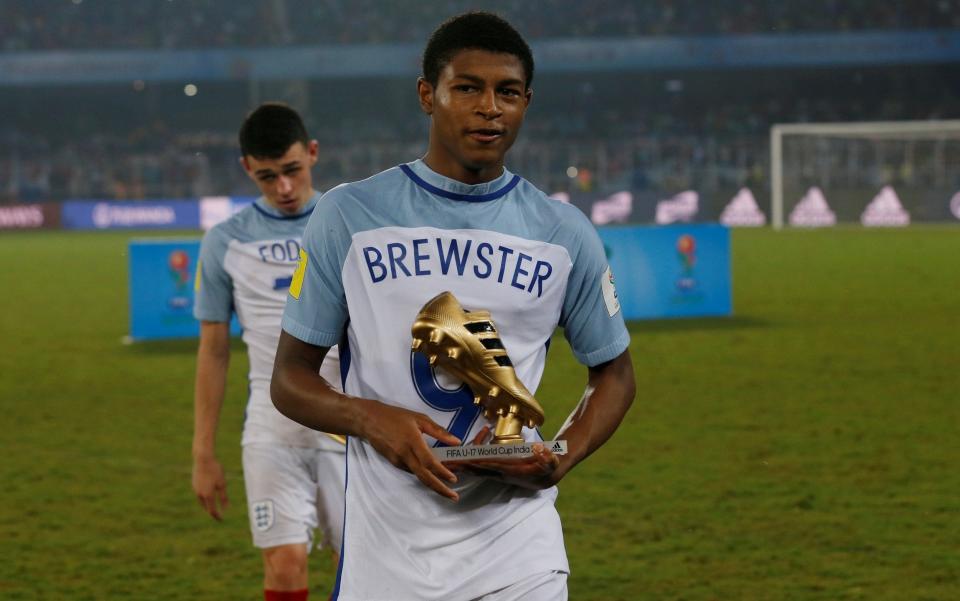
[{"x": 297, "y": 284}]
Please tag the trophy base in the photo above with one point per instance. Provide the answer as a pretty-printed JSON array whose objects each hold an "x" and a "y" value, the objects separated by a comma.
[{"x": 486, "y": 452}]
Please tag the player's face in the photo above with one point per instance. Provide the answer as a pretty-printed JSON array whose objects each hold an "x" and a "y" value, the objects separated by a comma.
[
  {"x": 285, "y": 182},
  {"x": 476, "y": 110}
]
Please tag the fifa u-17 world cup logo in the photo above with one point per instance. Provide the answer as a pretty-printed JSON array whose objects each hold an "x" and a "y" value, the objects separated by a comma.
[
  {"x": 687, "y": 253},
  {"x": 179, "y": 263},
  {"x": 179, "y": 268}
]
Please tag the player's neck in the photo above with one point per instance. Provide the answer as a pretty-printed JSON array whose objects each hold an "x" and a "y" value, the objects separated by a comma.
[
  {"x": 290, "y": 211},
  {"x": 449, "y": 167}
]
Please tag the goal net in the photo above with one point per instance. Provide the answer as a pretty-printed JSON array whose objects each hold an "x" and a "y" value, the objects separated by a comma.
[{"x": 876, "y": 174}]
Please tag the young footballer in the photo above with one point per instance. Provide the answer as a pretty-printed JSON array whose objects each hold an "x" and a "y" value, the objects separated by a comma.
[
  {"x": 294, "y": 476},
  {"x": 374, "y": 253}
]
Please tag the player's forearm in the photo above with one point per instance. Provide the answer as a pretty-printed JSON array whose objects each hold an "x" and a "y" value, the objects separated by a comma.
[
  {"x": 305, "y": 397},
  {"x": 302, "y": 394},
  {"x": 206, "y": 417},
  {"x": 208, "y": 395},
  {"x": 605, "y": 402}
]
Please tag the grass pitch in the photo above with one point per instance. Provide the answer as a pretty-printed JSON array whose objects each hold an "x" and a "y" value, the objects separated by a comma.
[{"x": 806, "y": 448}]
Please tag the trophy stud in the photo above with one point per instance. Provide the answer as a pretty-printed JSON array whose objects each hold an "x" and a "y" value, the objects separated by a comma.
[
  {"x": 494, "y": 392},
  {"x": 476, "y": 399},
  {"x": 453, "y": 353},
  {"x": 433, "y": 359},
  {"x": 416, "y": 344},
  {"x": 436, "y": 336},
  {"x": 507, "y": 430}
]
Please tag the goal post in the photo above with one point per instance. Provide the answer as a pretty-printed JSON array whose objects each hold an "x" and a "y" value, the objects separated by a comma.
[{"x": 847, "y": 170}]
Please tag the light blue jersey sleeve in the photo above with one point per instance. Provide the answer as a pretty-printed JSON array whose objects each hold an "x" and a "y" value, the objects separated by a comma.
[
  {"x": 591, "y": 318},
  {"x": 316, "y": 310},
  {"x": 214, "y": 287}
]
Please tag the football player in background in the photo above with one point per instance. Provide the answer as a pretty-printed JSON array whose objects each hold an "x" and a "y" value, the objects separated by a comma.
[
  {"x": 294, "y": 476},
  {"x": 374, "y": 252}
]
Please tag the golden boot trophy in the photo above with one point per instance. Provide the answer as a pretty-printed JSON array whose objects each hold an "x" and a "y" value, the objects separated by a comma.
[{"x": 468, "y": 346}]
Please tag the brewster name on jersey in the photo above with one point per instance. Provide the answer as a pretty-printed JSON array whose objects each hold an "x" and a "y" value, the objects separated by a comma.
[{"x": 446, "y": 256}]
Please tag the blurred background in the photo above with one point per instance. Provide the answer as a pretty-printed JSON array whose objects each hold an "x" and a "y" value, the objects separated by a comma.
[{"x": 142, "y": 100}]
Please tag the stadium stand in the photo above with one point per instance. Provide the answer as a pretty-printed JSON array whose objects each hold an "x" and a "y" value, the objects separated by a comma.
[
  {"x": 80, "y": 24},
  {"x": 650, "y": 131},
  {"x": 665, "y": 141}
]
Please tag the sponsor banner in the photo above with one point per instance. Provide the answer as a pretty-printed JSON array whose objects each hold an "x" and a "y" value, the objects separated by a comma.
[
  {"x": 134, "y": 215},
  {"x": 743, "y": 211},
  {"x": 162, "y": 274},
  {"x": 214, "y": 209},
  {"x": 614, "y": 209},
  {"x": 670, "y": 271},
  {"x": 29, "y": 216},
  {"x": 813, "y": 210},
  {"x": 885, "y": 210},
  {"x": 681, "y": 208}
]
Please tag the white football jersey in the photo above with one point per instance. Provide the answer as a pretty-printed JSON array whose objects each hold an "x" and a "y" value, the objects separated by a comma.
[
  {"x": 374, "y": 252},
  {"x": 246, "y": 265}
]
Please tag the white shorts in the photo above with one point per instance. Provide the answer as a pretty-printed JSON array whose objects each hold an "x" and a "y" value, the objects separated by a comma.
[
  {"x": 545, "y": 586},
  {"x": 291, "y": 491}
]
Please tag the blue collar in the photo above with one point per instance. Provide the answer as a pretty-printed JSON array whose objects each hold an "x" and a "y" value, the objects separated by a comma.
[
  {"x": 433, "y": 182},
  {"x": 267, "y": 210}
]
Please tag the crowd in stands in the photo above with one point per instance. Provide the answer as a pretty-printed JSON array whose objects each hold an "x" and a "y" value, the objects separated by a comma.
[
  {"x": 41, "y": 25},
  {"x": 620, "y": 146},
  {"x": 618, "y": 131},
  {"x": 193, "y": 165}
]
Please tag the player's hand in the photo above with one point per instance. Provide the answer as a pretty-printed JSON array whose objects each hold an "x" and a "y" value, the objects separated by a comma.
[
  {"x": 535, "y": 472},
  {"x": 210, "y": 486},
  {"x": 397, "y": 434}
]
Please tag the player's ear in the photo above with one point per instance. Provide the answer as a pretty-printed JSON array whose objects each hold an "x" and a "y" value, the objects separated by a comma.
[
  {"x": 245, "y": 164},
  {"x": 313, "y": 150},
  {"x": 528, "y": 96},
  {"x": 425, "y": 93}
]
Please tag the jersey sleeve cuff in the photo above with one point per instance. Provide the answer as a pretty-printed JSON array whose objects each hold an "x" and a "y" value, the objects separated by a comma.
[
  {"x": 607, "y": 353},
  {"x": 309, "y": 335},
  {"x": 207, "y": 315}
]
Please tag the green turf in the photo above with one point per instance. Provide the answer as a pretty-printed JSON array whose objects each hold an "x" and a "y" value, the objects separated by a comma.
[{"x": 806, "y": 448}]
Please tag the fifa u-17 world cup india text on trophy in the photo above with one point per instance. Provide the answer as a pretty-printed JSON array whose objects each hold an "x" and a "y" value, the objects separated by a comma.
[{"x": 467, "y": 345}]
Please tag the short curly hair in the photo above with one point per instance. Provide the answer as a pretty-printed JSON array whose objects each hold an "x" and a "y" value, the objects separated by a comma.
[{"x": 474, "y": 30}]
